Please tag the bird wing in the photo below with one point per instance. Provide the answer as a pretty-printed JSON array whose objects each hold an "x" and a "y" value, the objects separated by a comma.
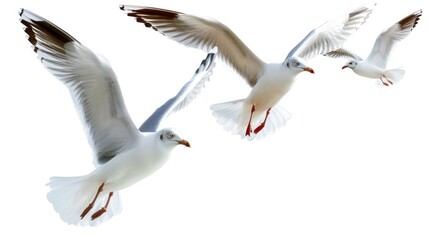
[
  {"x": 331, "y": 35},
  {"x": 184, "y": 97},
  {"x": 92, "y": 84},
  {"x": 343, "y": 53},
  {"x": 201, "y": 33},
  {"x": 388, "y": 38}
]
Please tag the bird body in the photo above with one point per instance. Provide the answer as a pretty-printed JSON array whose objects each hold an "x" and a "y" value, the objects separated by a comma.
[
  {"x": 387, "y": 76},
  {"x": 130, "y": 166},
  {"x": 274, "y": 83},
  {"x": 368, "y": 70},
  {"x": 71, "y": 195}
]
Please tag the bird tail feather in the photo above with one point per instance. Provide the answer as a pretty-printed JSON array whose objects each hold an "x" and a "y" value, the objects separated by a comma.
[
  {"x": 394, "y": 75},
  {"x": 234, "y": 117},
  {"x": 71, "y": 195}
]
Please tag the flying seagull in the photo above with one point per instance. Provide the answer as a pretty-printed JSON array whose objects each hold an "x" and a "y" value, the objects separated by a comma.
[
  {"x": 374, "y": 66},
  {"x": 122, "y": 154},
  {"x": 269, "y": 82}
]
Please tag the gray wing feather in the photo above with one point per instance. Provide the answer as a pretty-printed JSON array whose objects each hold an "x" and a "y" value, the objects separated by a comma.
[
  {"x": 343, "y": 53},
  {"x": 92, "y": 84},
  {"x": 201, "y": 33},
  {"x": 331, "y": 35},
  {"x": 388, "y": 38},
  {"x": 292, "y": 52},
  {"x": 184, "y": 97}
]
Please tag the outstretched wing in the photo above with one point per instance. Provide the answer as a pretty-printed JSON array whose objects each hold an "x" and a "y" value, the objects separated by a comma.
[
  {"x": 201, "y": 33},
  {"x": 184, "y": 97},
  {"x": 92, "y": 84},
  {"x": 331, "y": 35},
  {"x": 343, "y": 53},
  {"x": 389, "y": 37}
]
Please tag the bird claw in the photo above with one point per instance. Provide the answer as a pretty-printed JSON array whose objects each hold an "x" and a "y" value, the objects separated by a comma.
[
  {"x": 248, "y": 130},
  {"x": 249, "y": 127},
  {"x": 262, "y": 125},
  {"x": 259, "y": 128},
  {"x": 98, "y": 214},
  {"x": 87, "y": 209},
  {"x": 388, "y": 83}
]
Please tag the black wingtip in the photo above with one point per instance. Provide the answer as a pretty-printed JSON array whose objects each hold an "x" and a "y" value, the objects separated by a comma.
[
  {"x": 122, "y": 7},
  {"x": 419, "y": 15},
  {"x": 40, "y": 29},
  {"x": 411, "y": 20},
  {"x": 21, "y": 11}
]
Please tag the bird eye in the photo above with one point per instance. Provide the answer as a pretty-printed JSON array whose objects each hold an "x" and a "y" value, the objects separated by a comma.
[
  {"x": 161, "y": 137},
  {"x": 170, "y": 135}
]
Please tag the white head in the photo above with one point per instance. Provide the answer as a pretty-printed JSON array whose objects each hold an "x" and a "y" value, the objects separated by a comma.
[
  {"x": 352, "y": 64},
  {"x": 297, "y": 64},
  {"x": 170, "y": 137}
]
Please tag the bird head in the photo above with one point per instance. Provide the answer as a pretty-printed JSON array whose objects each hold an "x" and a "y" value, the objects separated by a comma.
[
  {"x": 172, "y": 138},
  {"x": 352, "y": 64},
  {"x": 297, "y": 64}
]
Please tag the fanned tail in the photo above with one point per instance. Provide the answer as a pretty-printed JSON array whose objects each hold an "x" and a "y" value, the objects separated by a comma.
[
  {"x": 71, "y": 195},
  {"x": 392, "y": 76},
  {"x": 234, "y": 117}
]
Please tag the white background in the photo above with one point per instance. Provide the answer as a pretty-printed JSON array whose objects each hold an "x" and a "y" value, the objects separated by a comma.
[{"x": 352, "y": 163}]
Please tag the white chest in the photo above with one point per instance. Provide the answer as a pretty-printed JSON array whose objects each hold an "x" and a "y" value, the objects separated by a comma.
[
  {"x": 273, "y": 85},
  {"x": 368, "y": 70},
  {"x": 131, "y": 166}
]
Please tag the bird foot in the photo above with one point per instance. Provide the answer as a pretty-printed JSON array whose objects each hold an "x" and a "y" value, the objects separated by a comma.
[
  {"x": 87, "y": 209},
  {"x": 388, "y": 83},
  {"x": 98, "y": 214},
  {"x": 262, "y": 125},
  {"x": 248, "y": 130},
  {"x": 249, "y": 127},
  {"x": 259, "y": 128}
]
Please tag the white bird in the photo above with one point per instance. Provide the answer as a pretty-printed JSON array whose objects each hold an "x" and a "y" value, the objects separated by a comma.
[
  {"x": 269, "y": 82},
  {"x": 122, "y": 154},
  {"x": 374, "y": 66}
]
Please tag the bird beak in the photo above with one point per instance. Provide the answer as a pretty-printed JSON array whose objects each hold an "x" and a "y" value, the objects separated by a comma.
[
  {"x": 184, "y": 143},
  {"x": 309, "y": 69},
  {"x": 344, "y": 67}
]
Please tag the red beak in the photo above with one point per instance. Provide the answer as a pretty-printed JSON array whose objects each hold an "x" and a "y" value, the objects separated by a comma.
[
  {"x": 184, "y": 143},
  {"x": 309, "y": 69},
  {"x": 344, "y": 67}
]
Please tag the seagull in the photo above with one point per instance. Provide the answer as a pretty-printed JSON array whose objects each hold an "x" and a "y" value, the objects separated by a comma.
[
  {"x": 269, "y": 81},
  {"x": 123, "y": 155},
  {"x": 374, "y": 66}
]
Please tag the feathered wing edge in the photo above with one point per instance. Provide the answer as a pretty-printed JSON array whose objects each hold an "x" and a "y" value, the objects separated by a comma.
[
  {"x": 343, "y": 53},
  {"x": 185, "y": 96},
  {"x": 331, "y": 35},
  {"x": 201, "y": 33}
]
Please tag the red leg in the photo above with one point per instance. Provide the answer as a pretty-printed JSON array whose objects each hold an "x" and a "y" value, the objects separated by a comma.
[
  {"x": 87, "y": 209},
  {"x": 260, "y": 127},
  {"x": 249, "y": 127},
  {"x": 384, "y": 83},
  {"x": 103, "y": 209}
]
